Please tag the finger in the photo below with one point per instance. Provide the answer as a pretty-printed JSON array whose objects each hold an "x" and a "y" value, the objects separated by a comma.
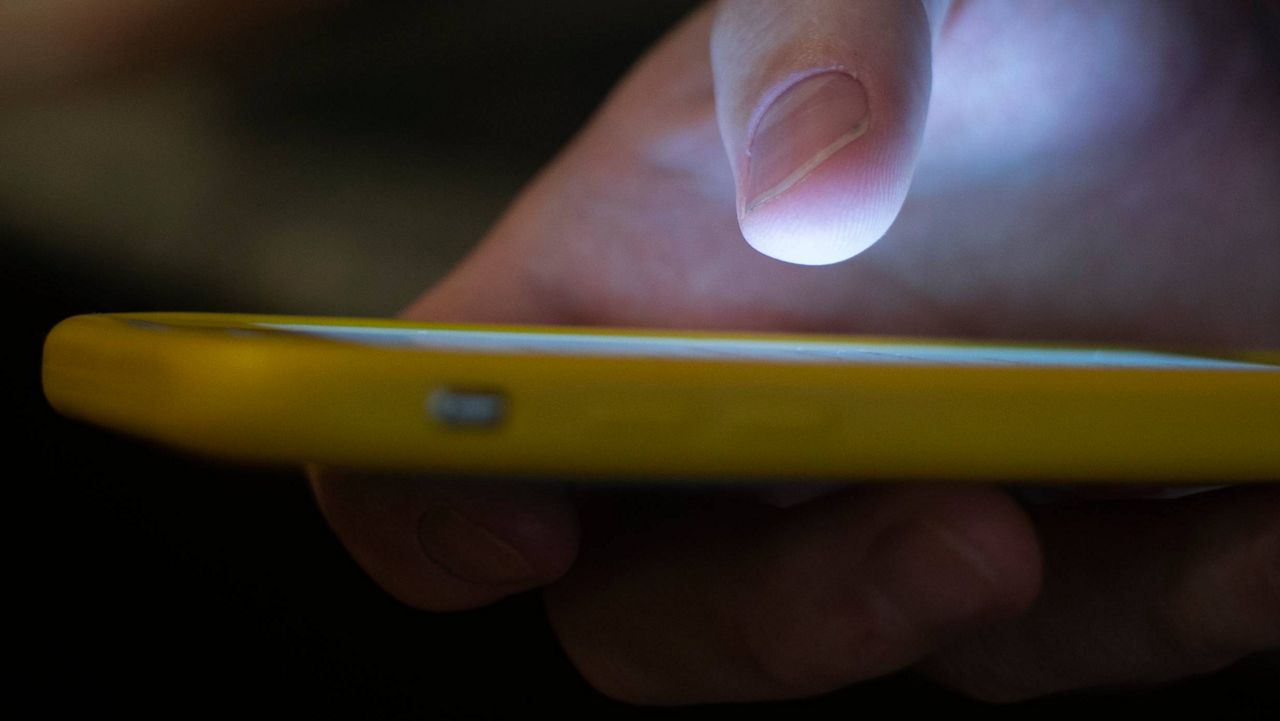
[
  {"x": 441, "y": 545},
  {"x": 821, "y": 106},
  {"x": 757, "y": 603},
  {"x": 1135, "y": 592}
]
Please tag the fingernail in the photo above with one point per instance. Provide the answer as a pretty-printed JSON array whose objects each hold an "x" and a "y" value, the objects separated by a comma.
[
  {"x": 933, "y": 578},
  {"x": 470, "y": 551},
  {"x": 804, "y": 126}
]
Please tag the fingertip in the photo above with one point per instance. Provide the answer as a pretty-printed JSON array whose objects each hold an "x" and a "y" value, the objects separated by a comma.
[
  {"x": 827, "y": 168},
  {"x": 839, "y": 211},
  {"x": 441, "y": 546},
  {"x": 822, "y": 123}
]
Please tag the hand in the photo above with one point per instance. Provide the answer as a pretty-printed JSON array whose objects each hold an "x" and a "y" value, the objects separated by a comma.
[{"x": 1094, "y": 171}]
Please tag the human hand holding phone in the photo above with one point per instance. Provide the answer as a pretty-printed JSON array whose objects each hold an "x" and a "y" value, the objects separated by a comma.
[
  {"x": 1093, "y": 171},
  {"x": 1089, "y": 172}
]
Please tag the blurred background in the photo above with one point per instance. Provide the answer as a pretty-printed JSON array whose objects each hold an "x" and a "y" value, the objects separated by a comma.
[{"x": 331, "y": 159}]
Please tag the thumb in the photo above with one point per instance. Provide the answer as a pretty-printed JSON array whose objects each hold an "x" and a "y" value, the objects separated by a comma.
[{"x": 821, "y": 106}]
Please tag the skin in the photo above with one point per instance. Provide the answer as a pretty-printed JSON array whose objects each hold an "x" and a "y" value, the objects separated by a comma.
[
  {"x": 1096, "y": 171},
  {"x": 1097, "y": 225}
]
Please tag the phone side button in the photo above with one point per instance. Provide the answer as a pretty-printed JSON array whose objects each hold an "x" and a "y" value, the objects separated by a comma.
[{"x": 466, "y": 407}]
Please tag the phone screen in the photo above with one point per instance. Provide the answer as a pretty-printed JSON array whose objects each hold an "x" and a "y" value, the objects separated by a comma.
[{"x": 787, "y": 351}]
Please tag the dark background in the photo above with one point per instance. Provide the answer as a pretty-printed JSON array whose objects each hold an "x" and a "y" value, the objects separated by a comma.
[{"x": 340, "y": 170}]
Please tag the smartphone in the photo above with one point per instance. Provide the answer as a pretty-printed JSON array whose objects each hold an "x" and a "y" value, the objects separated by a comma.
[{"x": 628, "y": 404}]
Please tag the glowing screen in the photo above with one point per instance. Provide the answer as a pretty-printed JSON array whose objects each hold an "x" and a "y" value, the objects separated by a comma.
[{"x": 815, "y": 351}]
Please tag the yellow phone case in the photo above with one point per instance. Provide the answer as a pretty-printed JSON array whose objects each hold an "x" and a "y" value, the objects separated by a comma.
[{"x": 241, "y": 387}]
